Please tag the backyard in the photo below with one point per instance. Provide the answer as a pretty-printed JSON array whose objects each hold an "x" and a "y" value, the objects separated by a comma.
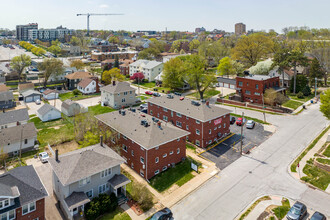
[
  {"x": 70, "y": 95},
  {"x": 292, "y": 104},
  {"x": 98, "y": 109}
]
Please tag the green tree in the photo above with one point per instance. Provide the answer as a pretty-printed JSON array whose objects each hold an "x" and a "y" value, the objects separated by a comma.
[
  {"x": 176, "y": 45},
  {"x": 19, "y": 63},
  {"x": 116, "y": 64},
  {"x": 252, "y": 48},
  {"x": 295, "y": 59},
  {"x": 75, "y": 41},
  {"x": 316, "y": 70},
  {"x": 56, "y": 42},
  {"x": 112, "y": 75},
  {"x": 173, "y": 73},
  {"x": 325, "y": 103},
  {"x": 78, "y": 64},
  {"x": 280, "y": 61},
  {"x": 262, "y": 67},
  {"x": 322, "y": 54},
  {"x": 213, "y": 52},
  {"x": 51, "y": 67},
  {"x": 114, "y": 40},
  {"x": 149, "y": 54},
  {"x": 194, "y": 44},
  {"x": 197, "y": 76},
  {"x": 301, "y": 83},
  {"x": 238, "y": 67},
  {"x": 225, "y": 67},
  {"x": 54, "y": 49}
]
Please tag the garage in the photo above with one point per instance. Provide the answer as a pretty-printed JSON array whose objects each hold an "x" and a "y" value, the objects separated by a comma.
[
  {"x": 31, "y": 96},
  {"x": 232, "y": 86},
  {"x": 226, "y": 82}
]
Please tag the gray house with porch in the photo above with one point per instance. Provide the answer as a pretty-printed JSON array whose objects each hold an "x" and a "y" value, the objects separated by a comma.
[{"x": 80, "y": 175}]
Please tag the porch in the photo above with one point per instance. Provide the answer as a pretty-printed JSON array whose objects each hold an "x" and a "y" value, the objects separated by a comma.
[
  {"x": 76, "y": 204},
  {"x": 118, "y": 186}
]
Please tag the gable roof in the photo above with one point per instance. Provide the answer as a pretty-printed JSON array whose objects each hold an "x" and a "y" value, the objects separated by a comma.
[
  {"x": 25, "y": 86},
  {"x": 7, "y": 95},
  {"x": 46, "y": 108},
  {"x": 148, "y": 137},
  {"x": 118, "y": 87},
  {"x": 13, "y": 134},
  {"x": 202, "y": 112},
  {"x": 30, "y": 92},
  {"x": 85, "y": 82},
  {"x": 23, "y": 182},
  {"x": 14, "y": 116},
  {"x": 78, "y": 75},
  {"x": 49, "y": 91},
  {"x": 76, "y": 165},
  {"x": 67, "y": 103},
  {"x": 3, "y": 88}
]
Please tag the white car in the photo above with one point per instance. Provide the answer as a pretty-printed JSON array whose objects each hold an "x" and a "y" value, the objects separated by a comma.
[
  {"x": 44, "y": 157},
  {"x": 38, "y": 102}
]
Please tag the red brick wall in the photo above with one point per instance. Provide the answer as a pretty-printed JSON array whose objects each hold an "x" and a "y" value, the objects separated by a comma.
[
  {"x": 250, "y": 85},
  {"x": 150, "y": 155},
  {"x": 38, "y": 213},
  {"x": 124, "y": 70},
  {"x": 203, "y": 137}
]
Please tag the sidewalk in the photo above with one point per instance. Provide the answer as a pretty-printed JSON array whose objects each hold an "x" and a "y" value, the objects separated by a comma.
[
  {"x": 170, "y": 198},
  {"x": 300, "y": 107}
]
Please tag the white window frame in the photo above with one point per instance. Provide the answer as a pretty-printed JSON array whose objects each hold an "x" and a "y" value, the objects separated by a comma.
[
  {"x": 165, "y": 118},
  {"x": 164, "y": 155},
  {"x": 164, "y": 168},
  {"x": 85, "y": 181},
  {"x": 142, "y": 160},
  {"x": 8, "y": 214},
  {"x": 156, "y": 159},
  {"x": 88, "y": 192},
  {"x": 179, "y": 124},
  {"x": 178, "y": 151},
  {"x": 198, "y": 132},
  {"x": 103, "y": 188},
  {"x": 132, "y": 153},
  {"x": 178, "y": 114},
  {"x": 187, "y": 127},
  {"x": 171, "y": 152},
  {"x": 156, "y": 172},
  {"x": 124, "y": 146},
  {"x": 198, "y": 143},
  {"x": 105, "y": 173},
  {"x": 3, "y": 206},
  {"x": 29, "y": 208},
  {"x": 210, "y": 131},
  {"x": 198, "y": 122}
]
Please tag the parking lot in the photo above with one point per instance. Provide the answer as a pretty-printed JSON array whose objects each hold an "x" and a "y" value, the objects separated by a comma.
[{"x": 227, "y": 151}]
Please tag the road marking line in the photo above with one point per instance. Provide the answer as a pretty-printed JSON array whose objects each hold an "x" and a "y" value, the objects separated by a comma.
[
  {"x": 247, "y": 145},
  {"x": 232, "y": 134},
  {"x": 225, "y": 144}
]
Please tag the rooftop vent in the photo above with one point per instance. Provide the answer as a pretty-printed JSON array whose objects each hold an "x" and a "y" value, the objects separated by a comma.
[{"x": 195, "y": 103}]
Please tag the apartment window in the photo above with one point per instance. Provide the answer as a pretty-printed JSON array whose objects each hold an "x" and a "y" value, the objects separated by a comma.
[
  {"x": 165, "y": 118},
  {"x": 215, "y": 128},
  {"x": 103, "y": 188},
  {"x": 105, "y": 173},
  {"x": 210, "y": 141},
  {"x": 197, "y": 132},
  {"x": 210, "y": 131},
  {"x": 257, "y": 86},
  {"x": 164, "y": 155},
  {"x": 157, "y": 115},
  {"x": 171, "y": 113},
  {"x": 197, "y": 142},
  {"x": 8, "y": 215},
  {"x": 178, "y": 139},
  {"x": 156, "y": 172},
  {"x": 123, "y": 100},
  {"x": 156, "y": 148},
  {"x": 132, "y": 152},
  {"x": 224, "y": 125},
  {"x": 179, "y": 124},
  {"x": 187, "y": 117},
  {"x": 171, "y": 152},
  {"x": 247, "y": 84},
  {"x": 125, "y": 93},
  {"x": 89, "y": 193},
  {"x": 150, "y": 112},
  {"x": 4, "y": 203},
  {"x": 29, "y": 208},
  {"x": 84, "y": 181},
  {"x": 257, "y": 93},
  {"x": 178, "y": 151},
  {"x": 118, "y": 94},
  {"x": 142, "y": 160},
  {"x": 164, "y": 168},
  {"x": 187, "y": 127},
  {"x": 142, "y": 148},
  {"x": 132, "y": 165},
  {"x": 165, "y": 109},
  {"x": 124, "y": 147},
  {"x": 198, "y": 122},
  {"x": 178, "y": 114},
  {"x": 124, "y": 137},
  {"x": 247, "y": 92},
  {"x": 156, "y": 159},
  {"x": 240, "y": 83},
  {"x": 142, "y": 173}
]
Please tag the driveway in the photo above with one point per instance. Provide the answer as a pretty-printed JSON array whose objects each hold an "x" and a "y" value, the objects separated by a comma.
[
  {"x": 45, "y": 174},
  {"x": 32, "y": 107},
  {"x": 225, "y": 91},
  {"x": 90, "y": 101}
]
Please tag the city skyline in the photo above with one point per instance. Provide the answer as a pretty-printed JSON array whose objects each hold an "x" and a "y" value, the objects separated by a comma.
[{"x": 181, "y": 16}]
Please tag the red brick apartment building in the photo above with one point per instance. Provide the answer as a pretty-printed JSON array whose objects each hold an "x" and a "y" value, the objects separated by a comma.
[
  {"x": 206, "y": 123},
  {"x": 252, "y": 87},
  {"x": 148, "y": 145}
]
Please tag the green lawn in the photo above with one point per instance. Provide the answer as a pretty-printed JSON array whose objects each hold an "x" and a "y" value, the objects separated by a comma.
[
  {"x": 180, "y": 174},
  {"x": 98, "y": 109},
  {"x": 281, "y": 211},
  {"x": 191, "y": 147},
  {"x": 292, "y": 104},
  {"x": 70, "y": 95},
  {"x": 208, "y": 94},
  {"x": 323, "y": 160},
  {"x": 116, "y": 215},
  {"x": 305, "y": 99},
  {"x": 40, "y": 125},
  {"x": 143, "y": 97},
  {"x": 316, "y": 176},
  {"x": 54, "y": 136},
  {"x": 327, "y": 151},
  {"x": 247, "y": 212},
  {"x": 252, "y": 109}
]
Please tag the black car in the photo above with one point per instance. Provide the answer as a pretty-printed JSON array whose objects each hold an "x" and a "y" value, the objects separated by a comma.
[
  {"x": 156, "y": 94},
  {"x": 177, "y": 93},
  {"x": 164, "y": 214},
  {"x": 318, "y": 216},
  {"x": 232, "y": 120},
  {"x": 297, "y": 211}
]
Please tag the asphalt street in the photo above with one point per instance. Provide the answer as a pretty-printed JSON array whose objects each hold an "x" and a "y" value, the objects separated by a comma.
[{"x": 263, "y": 172}]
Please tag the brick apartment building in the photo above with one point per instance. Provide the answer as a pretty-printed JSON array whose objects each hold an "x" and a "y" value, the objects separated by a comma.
[
  {"x": 252, "y": 87},
  {"x": 148, "y": 145},
  {"x": 206, "y": 123}
]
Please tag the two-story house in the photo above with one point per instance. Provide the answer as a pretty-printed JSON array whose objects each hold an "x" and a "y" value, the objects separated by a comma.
[
  {"x": 73, "y": 79},
  {"x": 206, "y": 123},
  {"x": 148, "y": 145},
  {"x": 7, "y": 100},
  {"x": 118, "y": 95},
  {"x": 13, "y": 118},
  {"x": 150, "y": 69},
  {"x": 89, "y": 85},
  {"x": 22, "y": 195},
  {"x": 80, "y": 175}
]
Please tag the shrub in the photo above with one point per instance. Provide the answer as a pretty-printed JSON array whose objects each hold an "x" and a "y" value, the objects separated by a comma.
[
  {"x": 142, "y": 195},
  {"x": 76, "y": 92},
  {"x": 100, "y": 205},
  {"x": 92, "y": 209},
  {"x": 306, "y": 91},
  {"x": 300, "y": 95}
]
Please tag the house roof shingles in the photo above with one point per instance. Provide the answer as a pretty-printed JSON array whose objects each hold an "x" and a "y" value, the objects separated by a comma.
[
  {"x": 49, "y": 91},
  {"x": 76, "y": 199},
  {"x": 13, "y": 134},
  {"x": 202, "y": 112},
  {"x": 14, "y": 116},
  {"x": 148, "y": 137},
  {"x": 3, "y": 88},
  {"x": 30, "y": 92},
  {"x": 119, "y": 87},
  {"x": 78, "y": 75},
  {"x": 85, "y": 82},
  {"x": 82, "y": 163},
  {"x": 45, "y": 109},
  {"x": 6, "y": 96},
  {"x": 67, "y": 103},
  {"x": 25, "y": 86}
]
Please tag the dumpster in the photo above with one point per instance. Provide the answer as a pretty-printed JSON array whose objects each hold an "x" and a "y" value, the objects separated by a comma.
[{"x": 312, "y": 101}]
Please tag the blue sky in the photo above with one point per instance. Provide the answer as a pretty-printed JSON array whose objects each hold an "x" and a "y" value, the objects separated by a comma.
[{"x": 182, "y": 15}]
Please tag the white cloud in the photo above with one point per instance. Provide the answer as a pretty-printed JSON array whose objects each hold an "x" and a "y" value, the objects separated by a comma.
[{"x": 104, "y": 6}]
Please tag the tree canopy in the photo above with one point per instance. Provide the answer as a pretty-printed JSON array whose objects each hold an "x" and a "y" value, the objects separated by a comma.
[
  {"x": 225, "y": 67},
  {"x": 78, "y": 64},
  {"x": 112, "y": 75},
  {"x": 325, "y": 103},
  {"x": 51, "y": 67},
  {"x": 18, "y": 64},
  {"x": 173, "y": 73}
]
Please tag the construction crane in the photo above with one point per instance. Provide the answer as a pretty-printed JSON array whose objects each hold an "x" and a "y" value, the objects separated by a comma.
[{"x": 92, "y": 14}]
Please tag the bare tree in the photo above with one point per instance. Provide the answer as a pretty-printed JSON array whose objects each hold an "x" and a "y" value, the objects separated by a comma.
[{"x": 323, "y": 56}]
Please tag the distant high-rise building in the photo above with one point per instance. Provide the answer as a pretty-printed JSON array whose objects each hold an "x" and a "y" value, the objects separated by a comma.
[
  {"x": 198, "y": 30},
  {"x": 49, "y": 34},
  {"x": 240, "y": 29},
  {"x": 22, "y": 31}
]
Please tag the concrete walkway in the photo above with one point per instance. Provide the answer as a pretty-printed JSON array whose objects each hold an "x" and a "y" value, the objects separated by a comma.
[
  {"x": 260, "y": 208},
  {"x": 300, "y": 107}
]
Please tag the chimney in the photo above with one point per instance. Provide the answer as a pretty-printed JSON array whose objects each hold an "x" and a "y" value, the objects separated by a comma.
[
  {"x": 56, "y": 155},
  {"x": 113, "y": 83},
  {"x": 101, "y": 141}
]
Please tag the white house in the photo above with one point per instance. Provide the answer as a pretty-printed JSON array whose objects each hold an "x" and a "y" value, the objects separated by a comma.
[
  {"x": 13, "y": 118},
  {"x": 150, "y": 69},
  {"x": 88, "y": 85},
  {"x": 118, "y": 95},
  {"x": 50, "y": 94},
  {"x": 48, "y": 113}
]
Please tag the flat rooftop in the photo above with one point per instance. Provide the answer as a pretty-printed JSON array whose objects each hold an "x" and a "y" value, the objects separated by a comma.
[{"x": 257, "y": 77}]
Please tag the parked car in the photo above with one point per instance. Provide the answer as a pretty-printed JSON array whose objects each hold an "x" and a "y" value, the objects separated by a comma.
[
  {"x": 148, "y": 93},
  {"x": 144, "y": 105},
  {"x": 232, "y": 120},
  {"x": 38, "y": 102},
  {"x": 44, "y": 157},
  {"x": 156, "y": 94},
  {"x": 240, "y": 121},
  {"x": 250, "y": 124},
  {"x": 297, "y": 211},
  {"x": 164, "y": 214},
  {"x": 318, "y": 216},
  {"x": 144, "y": 110},
  {"x": 177, "y": 93}
]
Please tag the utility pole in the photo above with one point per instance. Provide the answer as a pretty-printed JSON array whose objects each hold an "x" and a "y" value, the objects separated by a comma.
[
  {"x": 242, "y": 133},
  {"x": 315, "y": 86},
  {"x": 20, "y": 146},
  {"x": 263, "y": 106}
]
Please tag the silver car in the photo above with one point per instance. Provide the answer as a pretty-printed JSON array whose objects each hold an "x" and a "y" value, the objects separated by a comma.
[
  {"x": 44, "y": 157},
  {"x": 250, "y": 124}
]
